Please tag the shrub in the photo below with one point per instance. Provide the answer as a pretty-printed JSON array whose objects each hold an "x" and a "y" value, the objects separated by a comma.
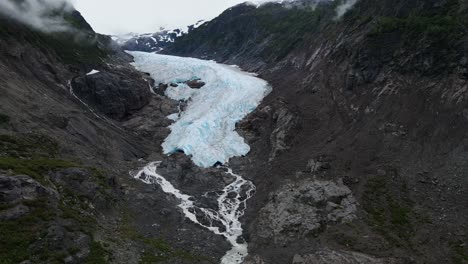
[{"x": 4, "y": 119}]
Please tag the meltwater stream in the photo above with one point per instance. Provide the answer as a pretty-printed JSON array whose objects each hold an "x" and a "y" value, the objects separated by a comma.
[
  {"x": 231, "y": 208},
  {"x": 205, "y": 131}
]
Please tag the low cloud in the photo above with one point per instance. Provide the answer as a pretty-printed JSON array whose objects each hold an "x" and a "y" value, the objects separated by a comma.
[
  {"x": 39, "y": 14},
  {"x": 291, "y": 3},
  {"x": 344, "y": 7},
  {"x": 341, "y": 9}
]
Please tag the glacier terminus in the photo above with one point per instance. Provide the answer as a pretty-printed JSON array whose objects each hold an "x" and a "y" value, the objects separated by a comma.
[{"x": 205, "y": 131}]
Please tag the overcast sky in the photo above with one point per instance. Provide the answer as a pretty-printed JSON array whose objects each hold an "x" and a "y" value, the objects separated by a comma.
[{"x": 142, "y": 16}]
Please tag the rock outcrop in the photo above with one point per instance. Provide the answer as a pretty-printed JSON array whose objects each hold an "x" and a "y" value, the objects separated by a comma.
[
  {"x": 377, "y": 98},
  {"x": 14, "y": 191},
  {"x": 303, "y": 208},
  {"x": 116, "y": 93},
  {"x": 327, "y": 256},
  {"x": 284, "y": 121}
]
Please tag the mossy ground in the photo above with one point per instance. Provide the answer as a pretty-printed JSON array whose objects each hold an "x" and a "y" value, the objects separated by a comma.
[
  {"x": 35, "y": 155},
  {"x": 155, "y": 250},
  {"x": 275, "y": 29},
  {"x": 19, "y": 234},
  {"x": 439, "y": 26},
  {"x": 98, "y": 254},
  {"x": 28, "y": 145},
  {"x": 4, "y": 119},
  {"x": 390, "y": 214}
]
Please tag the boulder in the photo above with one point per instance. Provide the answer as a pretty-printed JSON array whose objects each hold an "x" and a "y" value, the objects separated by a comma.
[
  {"x": 195, "y": 84},
  {"x": 14, "y": 189},
  {"x": 115, "y": 93},
  {"x": 14, "y": 212}
]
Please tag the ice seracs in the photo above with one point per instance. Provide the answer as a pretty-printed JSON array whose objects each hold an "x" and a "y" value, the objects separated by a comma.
[{"x": 206, "y": 129}]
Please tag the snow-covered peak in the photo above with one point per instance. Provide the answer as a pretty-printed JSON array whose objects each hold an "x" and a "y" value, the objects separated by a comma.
[{"x": 153, "y": 42}]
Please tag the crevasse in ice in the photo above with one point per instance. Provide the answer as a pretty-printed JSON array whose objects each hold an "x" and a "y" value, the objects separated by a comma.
[{"x": 206, "y": 129}]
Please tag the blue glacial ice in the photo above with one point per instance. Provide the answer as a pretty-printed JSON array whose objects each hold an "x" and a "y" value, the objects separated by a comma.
[{"x": 206, "y": 129}]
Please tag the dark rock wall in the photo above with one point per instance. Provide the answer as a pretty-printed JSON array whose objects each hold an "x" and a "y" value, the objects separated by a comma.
[
  {"x": 67, "y": 143},
  {"x": 376, "y": 100}
]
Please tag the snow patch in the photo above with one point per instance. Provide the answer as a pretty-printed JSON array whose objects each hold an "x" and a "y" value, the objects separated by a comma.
[
  {"x": 92, "y": 72},
  {"x": 173, "y": 117}
]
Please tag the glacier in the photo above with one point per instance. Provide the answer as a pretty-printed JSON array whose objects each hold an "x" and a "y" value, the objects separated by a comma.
[{"x": 206, "y": 129}]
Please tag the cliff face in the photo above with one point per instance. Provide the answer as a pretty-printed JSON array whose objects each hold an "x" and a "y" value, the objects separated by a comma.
[
  {"x": 68, "y": 139},
  {"x": 375, "y": 102},
  {"x": 358, "y": 154}
]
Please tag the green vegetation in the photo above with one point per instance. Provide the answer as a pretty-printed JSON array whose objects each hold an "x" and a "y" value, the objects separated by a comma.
[
  {"x": 460, "y": 249},
  {"x": 399, "y": 214},
  {"x": 28, "y": 146},
  {"x": 431, "y": 26},
  {"x": 98, "y": 254},
  {"x": 28, "y": 229},
  {"x": 156, "y": 250},
  {"x": 23, "y": 232},
  {"x": 35, "y": 155},
  {"x": 290, "y": 30},
  {"x": 389, "y": 213},
  {"x": 4, "y": 119},
  {"x": 35, "y": 168},
  {"x": 76, "y": 46},
  {"x": 462, "y": 255},
  {"x": 73, "y": 48},
  {"x": 274, "y": 30}
]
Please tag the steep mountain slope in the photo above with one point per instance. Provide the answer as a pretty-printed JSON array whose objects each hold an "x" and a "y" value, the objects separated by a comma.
[
  {"x": 262, "y": 34},
  {"x": 75, "y": 118},
  {"x": 370, "y": 111},
  {"x": 358, "y": 154}
]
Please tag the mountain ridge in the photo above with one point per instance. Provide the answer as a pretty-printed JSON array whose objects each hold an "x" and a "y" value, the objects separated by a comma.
[
  {"x": 358, "y": 154},
  {"x": 352, "y": 102},
  {"x": 68, "y": 140},
  {"x": 153, "y": 42}
]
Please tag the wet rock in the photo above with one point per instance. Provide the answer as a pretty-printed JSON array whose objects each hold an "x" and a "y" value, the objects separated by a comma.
[{"x": 86, "y": 183}]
